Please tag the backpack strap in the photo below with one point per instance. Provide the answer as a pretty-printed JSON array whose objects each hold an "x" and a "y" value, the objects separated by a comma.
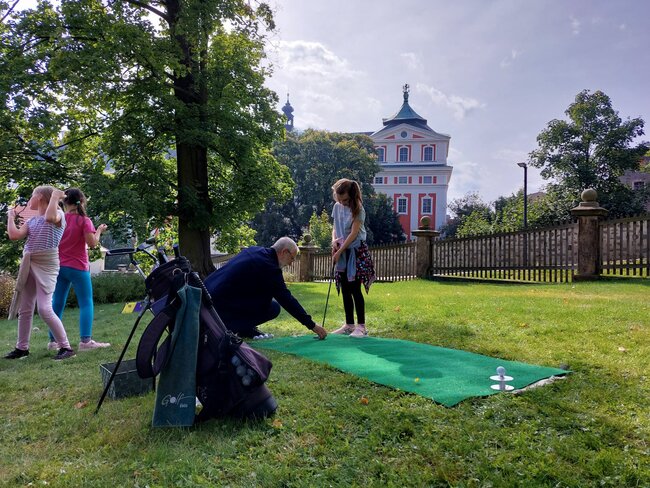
[{"x": 148, "y": 360}]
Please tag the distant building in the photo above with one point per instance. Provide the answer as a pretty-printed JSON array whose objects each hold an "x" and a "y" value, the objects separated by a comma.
[
  {"x": 414, "y": 170},
  {"x": 288, "y": 113},
  {"x": 638, "y": 180}
]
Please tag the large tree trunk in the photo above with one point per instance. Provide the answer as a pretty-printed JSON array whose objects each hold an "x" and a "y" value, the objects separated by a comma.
[
  {"x": 191, "y": 158},
  {"x": 192, "y": 167}
]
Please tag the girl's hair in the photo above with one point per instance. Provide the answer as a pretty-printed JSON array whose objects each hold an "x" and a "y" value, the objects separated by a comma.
[
  {"x": 351, "y": 187},
  {"x": 45, "y": 191},
  {"x": 74, "y": 196}
]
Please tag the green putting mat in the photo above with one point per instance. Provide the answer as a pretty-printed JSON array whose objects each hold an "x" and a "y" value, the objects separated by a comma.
[{"x": 447, "y": 376}]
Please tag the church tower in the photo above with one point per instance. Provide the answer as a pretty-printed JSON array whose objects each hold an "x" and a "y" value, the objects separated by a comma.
[
  {"x": 288, "y": 113},
  {"x": 414, "y": 171}
]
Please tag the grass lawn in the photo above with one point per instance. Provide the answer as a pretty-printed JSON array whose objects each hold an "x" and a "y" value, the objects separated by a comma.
[{"x": 591, "y": 429}]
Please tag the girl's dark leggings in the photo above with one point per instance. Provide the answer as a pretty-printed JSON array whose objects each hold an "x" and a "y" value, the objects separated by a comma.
[{"x": 352, "y": 299}]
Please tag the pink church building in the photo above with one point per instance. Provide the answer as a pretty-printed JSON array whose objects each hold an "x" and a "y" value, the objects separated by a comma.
[{"x": 414, "y": 170}]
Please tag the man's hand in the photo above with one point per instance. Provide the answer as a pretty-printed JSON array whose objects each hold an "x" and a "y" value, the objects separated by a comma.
[{"x": 320, "y": 332}]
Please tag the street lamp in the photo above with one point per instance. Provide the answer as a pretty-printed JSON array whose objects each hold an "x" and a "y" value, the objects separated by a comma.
[{"x": 525, "y": 166}]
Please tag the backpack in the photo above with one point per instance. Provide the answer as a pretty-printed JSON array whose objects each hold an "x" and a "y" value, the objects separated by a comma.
[{"x": 230, "y": 375}]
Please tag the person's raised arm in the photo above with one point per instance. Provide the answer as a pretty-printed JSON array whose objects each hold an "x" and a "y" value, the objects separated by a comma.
[
  {"x": 15, "y": 233},
  {"x": 92, "y": 238},
  {"x": 52, "y": 214}
]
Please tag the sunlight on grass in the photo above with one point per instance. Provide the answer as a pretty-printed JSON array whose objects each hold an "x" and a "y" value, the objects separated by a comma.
[{"x": 591, "y": 429}]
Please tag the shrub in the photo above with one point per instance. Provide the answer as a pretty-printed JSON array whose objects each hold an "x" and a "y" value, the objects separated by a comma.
[
  {"x": 7, "y": 285},
  {"x": 113, "y": 288}
]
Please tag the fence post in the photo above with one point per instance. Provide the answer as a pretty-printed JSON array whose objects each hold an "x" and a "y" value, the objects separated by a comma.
[
  {"x": 306, "y": 250},
  {"x": 588, "y": 212},
  {"x": 424, "y": 237}
]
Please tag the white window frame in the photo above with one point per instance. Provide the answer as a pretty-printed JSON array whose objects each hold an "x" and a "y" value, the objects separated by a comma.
[
  {"x": 402, "y": 201},
  {"x": 429, "y": 200},
  {"x": 424, "y": 153},
  {"x": 406, "y": 157},
  {"x": 424, "y": 180},
  {"x": 381, "y": 155},
  {"x": 379, "y": 180},
  {"x": 402, "y": 180}
]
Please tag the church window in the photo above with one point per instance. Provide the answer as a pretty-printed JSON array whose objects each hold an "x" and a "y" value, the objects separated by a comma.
[
  {"x": 379, "y": 180},
  {"x": 428, "y": 153},
  {"x": 381, "y": 154},
  {"x": 402, "y": 205},
  {"x": 426, "y": 205},
  {"x": 427, "y": 180},
  {"x": 402, "y": 180},
  {"x": 403, "y": 154}
]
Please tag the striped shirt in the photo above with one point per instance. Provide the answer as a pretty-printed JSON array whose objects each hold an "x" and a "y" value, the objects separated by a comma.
[{"x": 43, "y": 235}]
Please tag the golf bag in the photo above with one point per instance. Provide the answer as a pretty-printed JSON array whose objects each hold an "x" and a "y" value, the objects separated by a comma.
[{"x": 230, "y": 375}]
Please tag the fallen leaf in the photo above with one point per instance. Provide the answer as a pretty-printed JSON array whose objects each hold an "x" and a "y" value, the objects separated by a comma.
[
  {"x": 622, "y": 349},
  {"x": 81, "y": 404},
  {"x": 397, "y": 309},
  {"x": 363, "y": 400},
  {"x": 277, "y": 423}
]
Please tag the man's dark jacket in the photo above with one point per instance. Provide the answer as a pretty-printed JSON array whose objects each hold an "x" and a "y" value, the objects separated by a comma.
[{"x": 249, "y": 282}]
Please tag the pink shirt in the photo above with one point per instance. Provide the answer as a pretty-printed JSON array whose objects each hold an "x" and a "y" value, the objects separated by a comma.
[{"x": 73, "y": 251}]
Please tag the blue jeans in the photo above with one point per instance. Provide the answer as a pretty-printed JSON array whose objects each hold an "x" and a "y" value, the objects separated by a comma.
[{"x": 83, "y": 289}]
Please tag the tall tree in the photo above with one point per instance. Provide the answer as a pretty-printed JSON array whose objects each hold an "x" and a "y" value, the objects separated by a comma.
[
  {"x": 316, "y": 159},
  {"x": 168, "y": 93},
  {"x": 592, "y": 149}
]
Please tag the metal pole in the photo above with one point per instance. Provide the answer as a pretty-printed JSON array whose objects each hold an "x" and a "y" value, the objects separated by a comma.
[{"x": 525, "y": 166}]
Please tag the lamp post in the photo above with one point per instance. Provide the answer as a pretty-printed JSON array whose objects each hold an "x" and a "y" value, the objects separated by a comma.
[{"x": 525, "y": 166}]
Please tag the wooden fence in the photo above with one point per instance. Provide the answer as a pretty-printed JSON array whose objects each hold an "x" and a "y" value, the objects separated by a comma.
[
  {"x": 625, "y": 247},
  {"x": 537, "y": 255},
  {"x": 541, "y": 255},
  {"x": 393, "y": 262}
]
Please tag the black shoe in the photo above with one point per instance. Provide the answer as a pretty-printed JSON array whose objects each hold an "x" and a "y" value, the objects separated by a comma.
[
  {"x": 64, "y": 354},
  {"x": 17, "y": 354}
]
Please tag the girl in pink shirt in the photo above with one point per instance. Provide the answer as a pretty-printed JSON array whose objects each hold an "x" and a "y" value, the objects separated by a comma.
[{"x": 79, "y": 234}]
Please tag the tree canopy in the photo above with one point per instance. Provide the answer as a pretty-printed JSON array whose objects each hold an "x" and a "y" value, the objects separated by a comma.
[
  {"x": 316, "y": 159},
  {"x": 167, "y": 95},
  {"x": 592, "y": 149}
]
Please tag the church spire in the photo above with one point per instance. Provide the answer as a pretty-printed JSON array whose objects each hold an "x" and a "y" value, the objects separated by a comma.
[
  {"x": 406, "y": 114},
  {"x": 288, "y": 113}
]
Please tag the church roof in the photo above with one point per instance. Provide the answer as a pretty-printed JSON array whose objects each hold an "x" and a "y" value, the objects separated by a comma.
[{"x": 406, "y": 115}]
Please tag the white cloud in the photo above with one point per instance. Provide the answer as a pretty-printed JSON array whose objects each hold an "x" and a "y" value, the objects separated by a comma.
[
  {"x": 508, "y": 60},
  {"x": 312, "y": 59},
  {"x": 412, "y": 61},
  {"x": 459, "y": 106},
  {"x": 575, "y": 25},
  {"x": 622, "y": 27}
]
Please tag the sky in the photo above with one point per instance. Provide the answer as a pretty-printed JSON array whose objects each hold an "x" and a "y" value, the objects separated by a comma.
[{"x": 491, "y": 74}]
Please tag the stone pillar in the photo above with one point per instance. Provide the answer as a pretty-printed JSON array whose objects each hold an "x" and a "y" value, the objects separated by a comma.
[
  {"x": 424, "y": 237},
  {"x": 588, "y": 213},
  {"x": 306, "y": 250}
]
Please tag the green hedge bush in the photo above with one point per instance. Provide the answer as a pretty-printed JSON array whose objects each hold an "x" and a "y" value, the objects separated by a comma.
[
  {"x": 114, "y": 288},
  {"x": 7, "y": 285}
]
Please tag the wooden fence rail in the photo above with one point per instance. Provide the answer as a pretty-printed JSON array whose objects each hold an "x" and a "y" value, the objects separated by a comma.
[
  {"x": 393, "y": 262},
  {"x": 546, "y": 255},
  {"x": 625, "y": 247}
]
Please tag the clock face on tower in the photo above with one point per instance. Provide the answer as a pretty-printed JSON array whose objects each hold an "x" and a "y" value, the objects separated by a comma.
[{"x": 403, "y": 134}]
